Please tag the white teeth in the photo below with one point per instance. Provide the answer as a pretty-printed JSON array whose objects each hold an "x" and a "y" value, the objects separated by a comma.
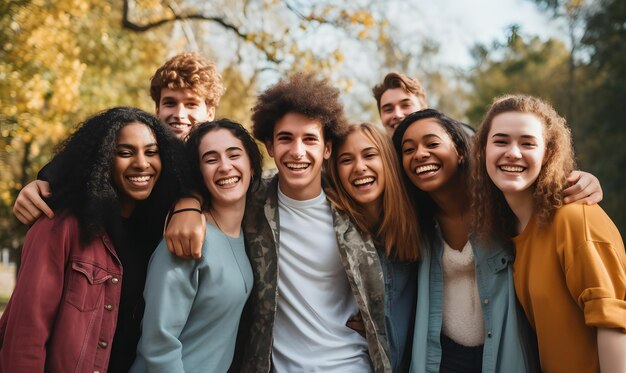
[
  {"x": 139, "y": 179},
  {"x": 426, "y": 168},
  {"x": 512, "y": 168},
  {"x": 179, "y": 125},
  {"x": 297, "y": 166},
  {"x": 364, "y": 180},
  {"x": 230, "y": 180}
]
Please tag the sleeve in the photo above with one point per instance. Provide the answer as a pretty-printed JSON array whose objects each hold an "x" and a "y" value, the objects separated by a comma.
[
  {"x": 596, "y": 278},
  {"x": 171, "y": 286},
  {"x": 31, "y": 312}
]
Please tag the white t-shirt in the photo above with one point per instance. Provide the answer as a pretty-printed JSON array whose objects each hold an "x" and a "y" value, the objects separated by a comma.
[{"x": 314, "y": 296}]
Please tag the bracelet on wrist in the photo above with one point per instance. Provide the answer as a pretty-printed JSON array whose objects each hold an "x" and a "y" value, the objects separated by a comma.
[{"x": 186, "y": 209}]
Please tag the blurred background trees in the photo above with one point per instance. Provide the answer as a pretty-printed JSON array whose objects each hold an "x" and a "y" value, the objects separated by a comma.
[{"x": 61, "y": 60}]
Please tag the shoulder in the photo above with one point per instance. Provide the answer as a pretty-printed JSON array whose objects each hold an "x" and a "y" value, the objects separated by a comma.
[
  {"x": 588, "y": 222},
  {"x": 62, "y": 224}
]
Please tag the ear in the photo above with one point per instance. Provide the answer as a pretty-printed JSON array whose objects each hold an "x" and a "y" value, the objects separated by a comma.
[
  {"x": 328, "y": 148},
  {"x": 210, "y": 113},
  {"x": 461, "y": 159},
  {"x": 156, "y": 110},
  {"x": 269, "y": 145}
]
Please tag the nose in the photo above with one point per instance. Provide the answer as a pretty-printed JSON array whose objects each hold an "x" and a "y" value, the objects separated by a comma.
[
  {"x": 225, "y": 165},
  {"x": 360, "y": 165},
  {"x": 398, "y": 113},
  {"x": 513, "y": 152},
  {"x": 141, "y": 162},
  {"x": 421, "y": 153},
  {"x": 180, "y": 111},
  {"x": 297, "y": 149}
]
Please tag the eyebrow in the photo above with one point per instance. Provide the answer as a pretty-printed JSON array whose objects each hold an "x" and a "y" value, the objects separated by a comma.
[
  {"x": 507, "y": 135},
  {"x": 404, "y": 100},
  {"x": 129, "y": 146},
  {"x": 211, "y": 152}
]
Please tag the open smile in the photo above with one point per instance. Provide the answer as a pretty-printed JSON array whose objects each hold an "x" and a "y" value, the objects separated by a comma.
[
  {"x": 427, "y": 169},
  {"x": 228, "y": 181},
  {"x": 514, "y": 169},
  {"x": 364, "y": 181}
]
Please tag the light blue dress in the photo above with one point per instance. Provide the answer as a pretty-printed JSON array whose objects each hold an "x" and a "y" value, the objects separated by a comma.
[{"x": 193, "y": 307}]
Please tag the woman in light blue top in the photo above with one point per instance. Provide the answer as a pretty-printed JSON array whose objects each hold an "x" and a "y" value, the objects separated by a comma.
[
  {"x": 193, "y": 307},
  {"x": 467, "y": 317}
]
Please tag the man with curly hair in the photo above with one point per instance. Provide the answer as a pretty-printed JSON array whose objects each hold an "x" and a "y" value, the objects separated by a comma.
[
  {"x": 186, "y": 90},
  {"x": 313, "y": 270}
]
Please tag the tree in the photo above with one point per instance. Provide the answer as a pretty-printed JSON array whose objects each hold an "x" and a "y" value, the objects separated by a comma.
[
  {"x": 61, "y": 61},
  {"x": 521, "y": 64}
]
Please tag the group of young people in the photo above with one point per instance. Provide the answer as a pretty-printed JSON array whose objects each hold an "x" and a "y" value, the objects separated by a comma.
[{"x": 424, "y": 248}]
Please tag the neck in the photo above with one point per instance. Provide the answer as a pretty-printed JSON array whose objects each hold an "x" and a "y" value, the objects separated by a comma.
[
  {"x": 521, "y": 203},
  {"x": 127, "y": 206},
  {"x": 372, "y": 213},
  {"x": 451, "y": 200},
  {"x": 227, "y": 218},
  {"x": 301, "y": 194}
]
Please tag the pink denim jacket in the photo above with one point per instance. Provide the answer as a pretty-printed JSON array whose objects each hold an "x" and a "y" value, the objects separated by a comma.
[{"x": 63, "y": 312}]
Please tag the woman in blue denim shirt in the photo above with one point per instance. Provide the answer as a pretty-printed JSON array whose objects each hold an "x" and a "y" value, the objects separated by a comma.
[
  {"x": 467, "y": 317},
  {"x": 365, "y": 173}
]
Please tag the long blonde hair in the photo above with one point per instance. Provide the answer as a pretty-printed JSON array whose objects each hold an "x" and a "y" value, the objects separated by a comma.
[
  {"x": 398, "y": 229},
  {"x": 489, "y": 205}
]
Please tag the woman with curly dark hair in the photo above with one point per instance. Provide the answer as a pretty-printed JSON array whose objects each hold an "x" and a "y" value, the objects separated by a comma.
[
  {"x": 83, "y": 271},
  {"x": 570, "y": 266}
]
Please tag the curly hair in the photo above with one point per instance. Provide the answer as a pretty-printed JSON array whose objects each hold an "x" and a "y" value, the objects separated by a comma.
[
  {"x": 192, "y": 156},
  {"x": 398, "y": 227},
  {"x": 188, "y": 70},
  {"x": 490, "y": 207},
  {"x": 80, "y": 172},
  {"x": 303, "y": 94},
  {"x": 460, "y": 133},
  {"x": 395, "y": 80}
]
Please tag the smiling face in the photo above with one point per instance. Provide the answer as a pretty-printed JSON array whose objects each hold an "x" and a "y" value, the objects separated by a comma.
[
  {"x": 361, "y": 170},
  {"x": 515, "y": 151},
  {"x": 429, "y": 157},
  {"x": 395, "y": 105},
  {"x": 181, "y": 109},
  {"x": 299, "y": 149},
  {"x": 225, "y": 167},
  {"x": 136, "y": 165}
]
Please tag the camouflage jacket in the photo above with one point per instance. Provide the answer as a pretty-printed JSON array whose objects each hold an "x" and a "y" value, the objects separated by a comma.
[{"x": 358, "y": 256}]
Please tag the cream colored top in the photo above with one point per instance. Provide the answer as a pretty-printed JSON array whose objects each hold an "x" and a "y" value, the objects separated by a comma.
[{"x": 462, "y": 312}]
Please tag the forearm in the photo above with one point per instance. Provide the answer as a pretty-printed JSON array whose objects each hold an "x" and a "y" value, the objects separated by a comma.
[{"x": 612, "y": 350}]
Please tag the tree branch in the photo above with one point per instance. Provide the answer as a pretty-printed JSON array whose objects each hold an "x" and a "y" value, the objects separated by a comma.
[{"x": 136, "y": 27}]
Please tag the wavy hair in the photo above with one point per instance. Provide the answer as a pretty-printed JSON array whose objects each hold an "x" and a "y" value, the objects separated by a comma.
[
  {"x": 303, "y": 94},
  {"x": 398, "y": 228},
  {"x": 395, "y": 80},
  {"x": 460, "y": 133},
  {"x": 192, "y": 157},
  {"x": 490, "y": 207},
  {"x": 188, "y": 70},
  {"x": 80, "y": 172}
]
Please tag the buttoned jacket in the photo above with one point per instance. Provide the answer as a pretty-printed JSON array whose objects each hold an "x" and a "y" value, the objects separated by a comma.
[
  {"x": 360, "y": 261},
  {"x": 63, "y": 312},
  {"x": 509, "y": 345}
]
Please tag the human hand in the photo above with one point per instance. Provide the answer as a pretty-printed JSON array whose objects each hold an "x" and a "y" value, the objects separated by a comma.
[
  {"x": 582, "y": 186},
  {"x": 184, "y": 234},
  {"x": 29, "y": 204}
]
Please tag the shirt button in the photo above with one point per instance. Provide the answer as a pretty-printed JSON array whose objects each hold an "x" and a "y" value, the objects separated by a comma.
[
  {"x": 108, "y": 307},
  {"x": 489, "y": 334},
  {"x": 115, "y": 280},
  {"x": 486, "y": 301},
  {"x": 103, "y": 344}
]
